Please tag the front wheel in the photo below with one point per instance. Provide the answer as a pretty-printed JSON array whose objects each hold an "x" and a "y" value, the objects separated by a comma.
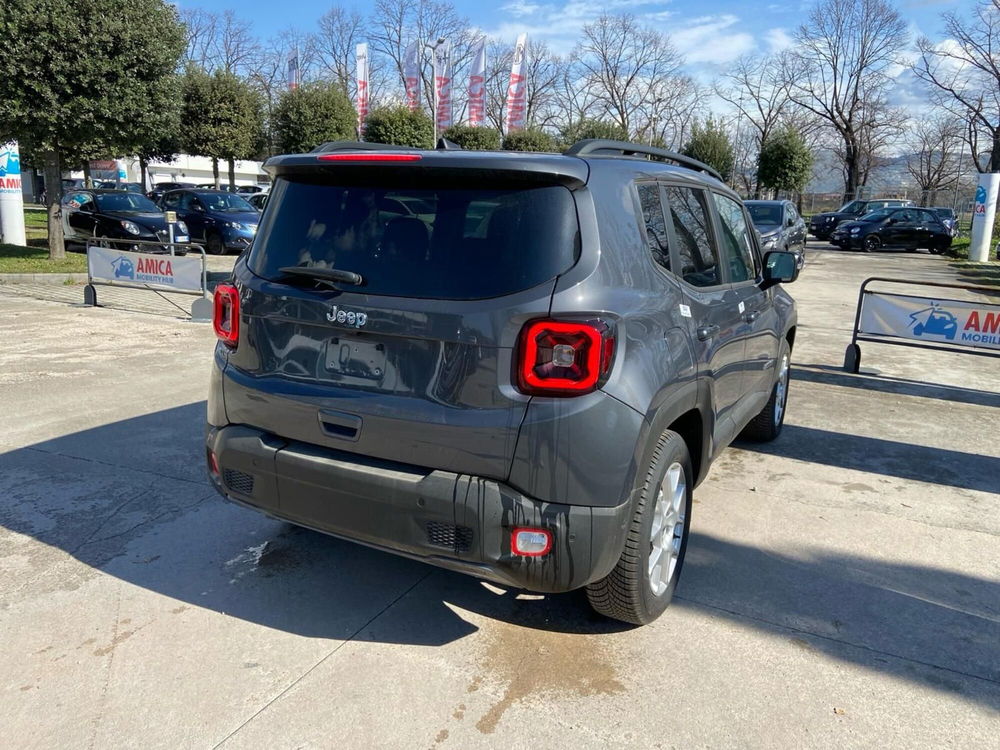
[
  {"x": 214, "y": 244},
  {"x": 642, "y": 584},
  {"x": 767, "y": 425},
  {"x": 871, "y": 243}
]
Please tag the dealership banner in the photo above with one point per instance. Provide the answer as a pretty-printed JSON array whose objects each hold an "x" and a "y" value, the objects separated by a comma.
[
  {"x": 931, "y": 321},
  {"x": 442, "y": 85},
  {"x": 516, "y": 91},
  {"x": 477, "y": 86},
  {"x": 172, "y": 272},
  {"x": 361, "y": 70},
  {"x": 411, "y": 76},
  {"x": 11, "y": 198},
  {"x": 293, "y": 70}
]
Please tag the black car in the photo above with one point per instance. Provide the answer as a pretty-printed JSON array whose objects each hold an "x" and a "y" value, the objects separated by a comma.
[
  {"x": 822, "y": 225},
  {"x": 522, "y": 378},
  {"x": 248, "y": 189},
  {"x": 109, "y": 215},
  {"x": 162, "y": 187},
  {"x": 907, "y": 228},
  {"x": 779, "y": 224},
  {"x": 219, "y": 220},
  {"x": 131, "y": 187}
]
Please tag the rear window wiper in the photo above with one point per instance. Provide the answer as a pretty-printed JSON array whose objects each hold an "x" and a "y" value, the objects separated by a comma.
[{"x": 324, "y": 274}]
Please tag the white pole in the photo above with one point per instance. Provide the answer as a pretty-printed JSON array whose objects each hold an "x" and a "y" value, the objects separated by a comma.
[
  {"x": 11, "y": 198},
  {"x": 982, "y": 216},
  {"x": 434, "y": 75}
]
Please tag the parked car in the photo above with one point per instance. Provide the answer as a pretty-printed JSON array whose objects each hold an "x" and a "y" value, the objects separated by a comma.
[
  {"x": 110, "y": 215},
  {"x": 257, "y": 200},
  {"x": 248, "y": 189},
  {"x": 131, "y": 187},
  {"x": 219, "y": 220},
  {"x": 908, "y": 228},
  {"x": 223, "y": 186},
  {"x": 948, "y": 218},
  {"x": 780, "y": 226},
  {"x": 162, "y": 187},
  {"x": 526, "y": 388},
  {"x": 822, "y": 225}
]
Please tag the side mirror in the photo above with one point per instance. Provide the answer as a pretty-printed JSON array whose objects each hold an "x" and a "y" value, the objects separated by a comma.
[
  {"x": 780, "y": 267},
  {"x": 198, "y": 207}
]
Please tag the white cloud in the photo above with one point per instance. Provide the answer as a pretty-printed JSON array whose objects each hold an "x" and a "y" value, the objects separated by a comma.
[
  {"x": 709, "y": 40},
  {"x": 777, "y": 40},
  {"x": 521, "y": 8}
]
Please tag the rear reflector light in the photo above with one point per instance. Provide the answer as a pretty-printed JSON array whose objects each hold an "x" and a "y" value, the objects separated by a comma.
[
  {"x": 563, "y": 358},
  {"x": 226, "y": 317},
  {"x": 369, "y": 157},
  {"x": 530, "y": 542},
  {"x": 213, "y": 464}
]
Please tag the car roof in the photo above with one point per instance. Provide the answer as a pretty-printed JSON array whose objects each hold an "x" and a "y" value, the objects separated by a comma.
[{"x": 759, "y": 202}]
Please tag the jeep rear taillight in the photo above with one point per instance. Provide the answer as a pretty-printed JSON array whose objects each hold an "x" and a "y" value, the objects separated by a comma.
[
  {"x": 226, "y": 317},
  {"x": 564, "y": 358}
]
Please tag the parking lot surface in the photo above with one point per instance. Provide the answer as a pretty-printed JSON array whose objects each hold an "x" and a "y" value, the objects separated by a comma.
[{"x": 842, "y": 585}]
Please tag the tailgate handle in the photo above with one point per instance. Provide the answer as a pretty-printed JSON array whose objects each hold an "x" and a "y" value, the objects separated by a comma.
[{"x": 339, "y": 425}]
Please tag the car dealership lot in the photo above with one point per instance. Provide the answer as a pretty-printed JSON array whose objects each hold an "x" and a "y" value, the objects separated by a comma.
[{"x": 841, "y": 585}]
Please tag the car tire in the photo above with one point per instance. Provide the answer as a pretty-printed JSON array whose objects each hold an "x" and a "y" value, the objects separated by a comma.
[
  {"x": 766, "y": 426},
  {"x": 642, "y": 583},
  {"x": 871, "y": 243},
  {"x": 214, "y": 244}
]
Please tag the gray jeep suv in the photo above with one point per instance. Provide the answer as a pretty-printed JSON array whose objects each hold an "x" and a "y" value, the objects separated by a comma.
[{"x": 512, "y": 365}]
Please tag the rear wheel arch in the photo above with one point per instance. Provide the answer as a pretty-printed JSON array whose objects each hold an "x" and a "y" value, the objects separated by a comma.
[{"x": 790, "y": 338}]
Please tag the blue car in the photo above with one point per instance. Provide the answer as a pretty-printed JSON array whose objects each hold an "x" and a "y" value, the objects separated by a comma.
[{"x": 219, "y": 220}]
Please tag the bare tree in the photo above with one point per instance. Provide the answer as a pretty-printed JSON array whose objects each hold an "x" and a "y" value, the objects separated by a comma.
[
  {"x": 200, "y": 26},
  {"x": 677, "y": 103},
  {"x": 934, "y": 163},
  {"x": 235, "y": 46},
  {"x": 339, "y": 33},
  {"x": 627, "y": 65},
  {"x": 397, "y": 23},
  {"x": 964, "y": 72},
  {"x": 755, "y": 88},
  {"x": 839, "y": 71},
  {"x": 542, "y": 71}
]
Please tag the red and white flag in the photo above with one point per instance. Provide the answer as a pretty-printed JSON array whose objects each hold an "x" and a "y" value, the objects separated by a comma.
[
  {"x": 442, "y": 85},
  {"x": 361, "y": 71},
  {"x": 411, "y": 76},
  {"x": 477, "y": 87},
  {"x": 293, "y": 70},
  {"x": 516, "y": 91}
]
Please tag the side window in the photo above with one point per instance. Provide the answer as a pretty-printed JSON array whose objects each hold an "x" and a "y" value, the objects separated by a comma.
[
  {"x": 171, "y": 201},
  {"x": 689, "y": 217},
  {"x": 656, "y": 229},
  {"x": 735, "y": 243}
]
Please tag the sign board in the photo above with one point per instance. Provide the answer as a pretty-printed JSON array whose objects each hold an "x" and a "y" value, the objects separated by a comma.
[
  {"x": 11, "y": 198},
  {"x": 931, "y": 321},
  {"x": 171, "y": 272},
  {"x": 171, "y": 217},
  {"x": 983, "y": 212}
]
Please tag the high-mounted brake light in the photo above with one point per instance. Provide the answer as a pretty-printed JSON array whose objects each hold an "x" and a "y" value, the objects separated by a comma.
[
  {"x": 369, "y": 157},
  {"x": 528, "y": 542},
  {"x": 226, "y": 317},
  {"x": 564, "y": 358}
]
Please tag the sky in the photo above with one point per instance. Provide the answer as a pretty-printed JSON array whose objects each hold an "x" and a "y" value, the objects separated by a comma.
[{"x": 709, "y": 34}]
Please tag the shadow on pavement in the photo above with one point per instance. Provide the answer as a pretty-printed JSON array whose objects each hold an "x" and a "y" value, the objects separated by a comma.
[
  {"x": 889, "y": 458},
  {"x": 827, "y": 375},
  {"x": 128, "y": 499}
]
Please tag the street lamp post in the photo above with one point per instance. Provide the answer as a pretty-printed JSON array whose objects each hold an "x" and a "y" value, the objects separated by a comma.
[{"x": 434, "y": 83}]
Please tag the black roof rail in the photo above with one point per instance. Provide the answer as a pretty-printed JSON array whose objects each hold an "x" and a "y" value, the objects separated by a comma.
[
  {"x": 599, "y": 146},
  {"x": 357, "y": 146}
]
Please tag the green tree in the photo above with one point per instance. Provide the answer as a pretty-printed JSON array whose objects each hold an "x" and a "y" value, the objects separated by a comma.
[
  {"x": 785, "y": 162},
  {"x": 222, "y": 118},
  {"x": 590, "y": 128},
  {"x": 710, "y": 144},
  {"x": 473, "y": 138},
  {"x": 399, "y": 126},
  {"x": 313, "y": 114},
  {"x": 529, "y": 140},
  {"x": 79, "y": 76}
]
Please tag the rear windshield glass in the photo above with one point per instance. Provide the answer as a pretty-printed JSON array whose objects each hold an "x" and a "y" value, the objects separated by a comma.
[
  {"x": 126, "y": 202},
  {"x": 428, "y": 242}
]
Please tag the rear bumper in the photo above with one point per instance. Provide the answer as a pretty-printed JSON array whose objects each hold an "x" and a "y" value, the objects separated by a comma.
[{"x": 455, "y": 521}]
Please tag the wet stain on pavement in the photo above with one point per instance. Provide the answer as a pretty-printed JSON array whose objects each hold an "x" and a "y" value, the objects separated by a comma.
[
  {"x": 537, "y": 662},
  {"x": 858, "y": 487}
]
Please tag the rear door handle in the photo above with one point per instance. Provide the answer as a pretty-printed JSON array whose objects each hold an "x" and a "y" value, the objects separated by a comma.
[
  {"x": 751, "y": 316},
  {"x": 707, "y": 332}
]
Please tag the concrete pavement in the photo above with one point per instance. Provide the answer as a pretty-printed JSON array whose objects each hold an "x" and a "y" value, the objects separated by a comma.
[{"x": 842, "y": 586}]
